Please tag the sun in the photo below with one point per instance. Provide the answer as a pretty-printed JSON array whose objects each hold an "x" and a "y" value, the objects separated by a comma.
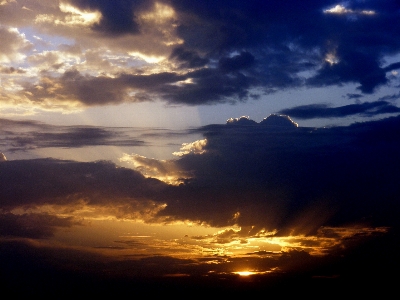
[{"x": 245, "y": 273}]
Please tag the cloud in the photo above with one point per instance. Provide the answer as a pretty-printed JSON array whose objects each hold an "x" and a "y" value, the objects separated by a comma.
[
  {"x": 187, "y": 58},
  {"x": 390, "y": 97},
  {"x": 278, "y": 177},
  {"x": 74, "y": 89},
  {"x": 237, "y": 62},
  {"x": 23, "y": 135},
  {"x": 32, "y": 225},
  {"x": 325, "y": 111},
  {"x": 193, "y": 54},
  {"x": 340, "y": 9},
  {"x": 273, "y": 176},
  {"x": 56, "y": 182},
  {"x": 330, "y": 190},
  {"x": 11, "y": 70},
  {"x": 354, "y": 96},
  {"x": 116, "y": 19},
  {"x": 163, "y": 170},
  {"x": 14, "y": 45}
]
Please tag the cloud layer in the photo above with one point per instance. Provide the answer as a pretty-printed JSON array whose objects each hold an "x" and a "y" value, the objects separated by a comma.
[
  {"x": 192, "y": 54},
  {"x": 271, "y": 175},
  {"x": 333, "y": 190}
]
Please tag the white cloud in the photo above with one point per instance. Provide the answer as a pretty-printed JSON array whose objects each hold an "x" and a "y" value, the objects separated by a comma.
[
  {"x": 340, "y": 10},
  {"x": 196, "y": 147}
]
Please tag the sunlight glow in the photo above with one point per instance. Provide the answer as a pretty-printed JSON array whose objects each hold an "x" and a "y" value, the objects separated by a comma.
[
  {"x": 248, "y": 273},
  {"x": 79, "y": 17},
  {"x": 160, "y": 13},
  {"x": 164, "y": 170},
  {"x": 331, "y": 58},
  {"x": 73, "y": 17},
  {"x": 151, "y": 59},
  {"x": 245, "y": 273},
  {"x": 234, "y": 120}
]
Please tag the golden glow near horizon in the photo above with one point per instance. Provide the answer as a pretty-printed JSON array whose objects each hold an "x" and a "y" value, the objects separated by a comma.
[
  {"x": 134, "y": 232},
  {"x": 245, "y": 273}
]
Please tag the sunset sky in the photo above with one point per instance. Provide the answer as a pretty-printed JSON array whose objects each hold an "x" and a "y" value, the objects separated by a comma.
[{"x": 186, "y": 141}]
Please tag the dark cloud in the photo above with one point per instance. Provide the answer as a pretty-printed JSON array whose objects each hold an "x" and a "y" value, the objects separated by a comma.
[
  {"x": 354, "y": 96},
  {"x": 236, "y": 63},
  {"x": 188, "y": 59},
  {"x": 390, "y": 97},
  {"x": 281, "y": 177},
  {"x": 117, "y": 17},
  {"x": 280, "y": 39},
  {"x": 272, "y": 175},
  {"x": 259, "y": 176},
  {"x": 268, "y": 29},
  {"x": 210, "y": 87},
  {"x": 325, "y": 111},
  {"x": 392, "y": 67},
  {"x": 236, "y": 47},
  {"x": 22, "y": 135},
  {"x": 73, "y": 137},
  {"x": 356, "y": 68},
  {"x": 58, "y": 182},
  {"x": 32, "y": 225},
  {"x": 207, "y": 86}
]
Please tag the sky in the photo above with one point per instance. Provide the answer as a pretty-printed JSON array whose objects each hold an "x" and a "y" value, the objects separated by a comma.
[{"x": 194, "y": 145}]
